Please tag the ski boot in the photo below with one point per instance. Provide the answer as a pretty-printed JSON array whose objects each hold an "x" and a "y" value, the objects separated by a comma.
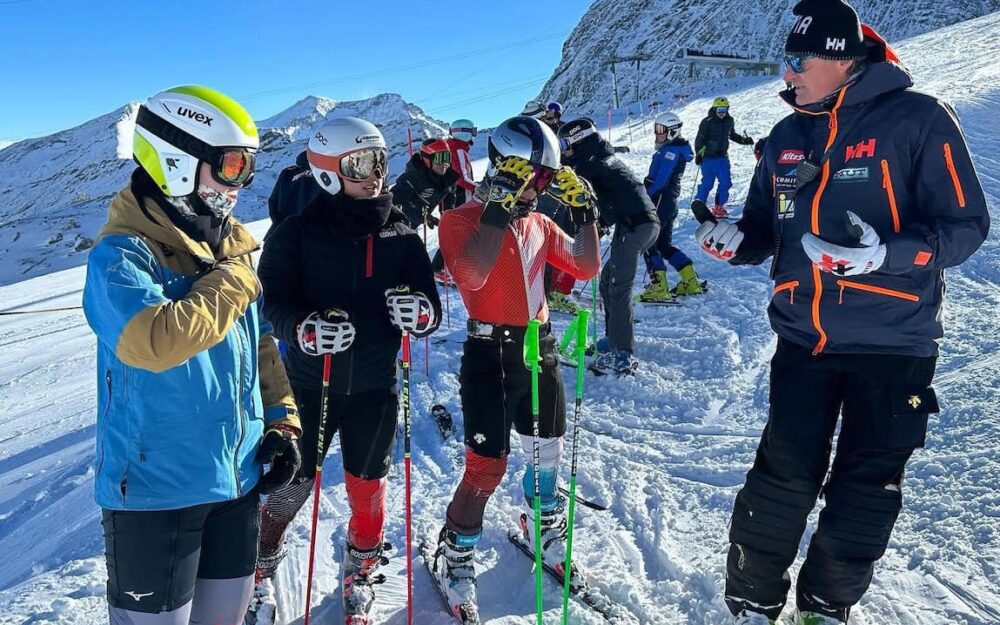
[
  {"x": 443, "y": 420},
  {"x": 719, "y": 211},
  {"x": 357, "y": 573},
  {"x": 658, "y": 291},
  {"x": 263, "y": 606},
  {"x": 689, "y": 284},
  {"x": 553, "y": 541},
  {"x": 443, "y": 278},
  {"x": 558, "y": 302},
  {"x": 620, "y": 362},
  {"x": 456, "y": 574},
  {"x": 745, "y": 617},
  {"x": 815, "y": 618}
]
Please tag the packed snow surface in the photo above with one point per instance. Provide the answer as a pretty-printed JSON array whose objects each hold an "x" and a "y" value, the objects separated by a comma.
[{"x": 667, "y": 449}]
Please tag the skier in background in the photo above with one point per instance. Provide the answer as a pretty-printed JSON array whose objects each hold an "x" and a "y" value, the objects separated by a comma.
[
  {"x": 331, "y": 274},
  {"x": 625, "y": 206},
  {"x": 858, "y": 260},
  {"x": 711, "y": 148},
  {"x": 496, "y": 247},
  {"x": 663, "y": 184},
  {"x": 462, "y": 135},
  {"x": 192, "y": 396},
  {"x": 428, "y": 182}
]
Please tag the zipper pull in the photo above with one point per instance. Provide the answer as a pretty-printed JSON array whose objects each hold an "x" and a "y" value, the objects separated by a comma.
[{"x": 841, "y": 300}]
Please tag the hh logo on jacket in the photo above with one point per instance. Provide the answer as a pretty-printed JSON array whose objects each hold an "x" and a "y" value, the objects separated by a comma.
[{"x": 864, "y": 149}]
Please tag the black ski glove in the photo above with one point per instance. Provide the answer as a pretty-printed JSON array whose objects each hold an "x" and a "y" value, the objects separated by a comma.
[{"x": 279, "y": 449}]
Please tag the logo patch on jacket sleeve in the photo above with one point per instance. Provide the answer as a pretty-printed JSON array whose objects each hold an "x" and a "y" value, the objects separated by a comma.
[
  {"x": 791, "y": 157},
  {"x": 851, "y": 174}
]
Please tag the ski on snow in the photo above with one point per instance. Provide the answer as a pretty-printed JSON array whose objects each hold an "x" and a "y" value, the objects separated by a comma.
[{"x": 587, "y": 595}]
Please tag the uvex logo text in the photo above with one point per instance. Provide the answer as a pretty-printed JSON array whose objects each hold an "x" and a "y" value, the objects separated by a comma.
[
  {"x": 790, "y": 157},
  {"x": 864, "y": 149},
  {"x": 195, "y": 115}
]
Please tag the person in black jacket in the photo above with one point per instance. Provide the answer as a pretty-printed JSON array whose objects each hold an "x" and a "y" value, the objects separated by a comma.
[
  {"x": 864, "y": 195},
  {"x": 624, "y": 204},
  {"x": 293, "y": 190},
  {"x": 427, "y": 183},
  {"x": 711, "y": 149},
  {"x": 344, "y": 277}
]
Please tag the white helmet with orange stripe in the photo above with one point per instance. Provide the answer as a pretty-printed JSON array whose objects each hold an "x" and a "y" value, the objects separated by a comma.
[{"x": 349, "y": 148}]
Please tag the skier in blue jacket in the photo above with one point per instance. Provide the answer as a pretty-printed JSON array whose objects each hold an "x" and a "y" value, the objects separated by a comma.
[
  {"x": 192, "y": 397},
  {"x": 673, "y": 153}
]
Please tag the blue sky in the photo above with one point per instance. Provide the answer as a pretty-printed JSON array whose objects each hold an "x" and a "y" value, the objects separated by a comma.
[{"x": 66, "y": 61}]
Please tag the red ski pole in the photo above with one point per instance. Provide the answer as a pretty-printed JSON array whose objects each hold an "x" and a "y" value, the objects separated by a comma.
[
  {"x": 406, "y": 465},
  {"x": 317, "y": 479}
]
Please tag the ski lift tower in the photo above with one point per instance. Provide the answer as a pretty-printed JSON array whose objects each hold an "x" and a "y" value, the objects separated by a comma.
[
  {"x": 732, "y": 63},
  {"x": 636, "y": 58}
]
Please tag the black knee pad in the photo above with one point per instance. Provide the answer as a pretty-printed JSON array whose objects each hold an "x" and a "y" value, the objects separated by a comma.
[
  {"x": 858, "y": 519},
  {"x": 770, "y": 517}
]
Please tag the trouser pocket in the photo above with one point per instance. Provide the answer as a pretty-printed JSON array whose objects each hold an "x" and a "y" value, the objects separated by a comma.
[{"x": 911, "y": 406}]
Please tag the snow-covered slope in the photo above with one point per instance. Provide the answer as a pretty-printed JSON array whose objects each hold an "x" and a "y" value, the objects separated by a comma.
[
  {"x": 55, "y": 190},
  {"x": 667, "y": 449},
  {"x": 660, "y": 28}
]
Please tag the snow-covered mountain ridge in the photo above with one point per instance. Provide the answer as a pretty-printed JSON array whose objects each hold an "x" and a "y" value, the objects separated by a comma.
[
  {"x": 660, "y": 28},
  {"x": 55, "y": 190}
]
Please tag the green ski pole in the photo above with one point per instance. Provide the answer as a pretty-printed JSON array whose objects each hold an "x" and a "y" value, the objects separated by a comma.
[
  {"x": 581, "y": 347},
  {"x": 568, "y": 337},
  {"x": 531, "y": 359}
]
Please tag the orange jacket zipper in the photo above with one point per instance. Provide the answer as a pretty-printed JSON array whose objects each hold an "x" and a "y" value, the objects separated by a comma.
[
  {"x": 789, "y": 286},
  {"x": 950, "y": 162},
  {"x": 887, "y": 185},
  {"x": 875, "y": 289}
]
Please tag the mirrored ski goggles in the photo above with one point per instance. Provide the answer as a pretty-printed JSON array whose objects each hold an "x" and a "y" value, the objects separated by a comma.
[
  {"x": 797, "y": 62},
  {"x": 722, "y": 109},
  {"x": 438, "y": 158},
  {"x": 469, "y": 131},
  {"x": 565, "y": 143},
  {"x": 362, "y": 164},
  {"x": 233, "y": 167},
  {"x": 543, "y": 178}
]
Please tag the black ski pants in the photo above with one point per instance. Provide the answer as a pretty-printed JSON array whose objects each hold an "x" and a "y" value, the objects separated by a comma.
[
  {"x": 884, "y": 402},
  {"x": 175, "y": 567}
]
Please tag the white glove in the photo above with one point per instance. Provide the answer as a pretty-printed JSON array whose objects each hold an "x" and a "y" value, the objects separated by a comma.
[
  {"x": 325, "y": 333},
  {"x": 410, "y": 312},
  {"x": 847, "y": 261},
  {"x": 719, "y": 239}
]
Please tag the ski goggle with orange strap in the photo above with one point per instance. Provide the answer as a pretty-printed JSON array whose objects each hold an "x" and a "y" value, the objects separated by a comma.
[
  {"x": 356, "y": 166},
  {"x": 230, "y": 166}
]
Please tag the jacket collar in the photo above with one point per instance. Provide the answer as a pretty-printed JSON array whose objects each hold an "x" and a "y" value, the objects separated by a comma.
[{"x": 131, "y": 213}]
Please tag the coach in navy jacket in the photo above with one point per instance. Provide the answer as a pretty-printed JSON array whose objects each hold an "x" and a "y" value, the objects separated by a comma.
[{"x": 865, "y": 193}]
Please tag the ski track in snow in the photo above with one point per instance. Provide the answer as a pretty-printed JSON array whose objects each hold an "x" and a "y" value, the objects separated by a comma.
[{"x": 667, "y": 449}]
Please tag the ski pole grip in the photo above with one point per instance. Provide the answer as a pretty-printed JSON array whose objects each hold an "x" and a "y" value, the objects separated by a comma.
[
  {"x": 531, "y": 351},
  {"x": 582, "y": 319}
]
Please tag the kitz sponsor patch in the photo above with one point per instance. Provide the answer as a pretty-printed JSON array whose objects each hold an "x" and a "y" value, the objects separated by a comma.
[
  {"x": 791, "y": 157},
  {"x": 851, "y": 174}
]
